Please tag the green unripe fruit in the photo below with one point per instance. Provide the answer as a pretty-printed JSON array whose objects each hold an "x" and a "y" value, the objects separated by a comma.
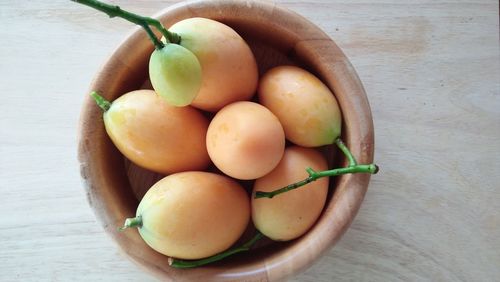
[{"x": 175, "y": 74}]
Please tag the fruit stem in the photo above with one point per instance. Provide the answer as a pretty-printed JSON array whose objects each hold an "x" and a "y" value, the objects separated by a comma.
[
  {"x": 100, "y": 101},
  {"x": 131, "y": 222},
  {"x": 346, "y": 151},
  {"x": 115, "y": 11},
  {"x": 177, "y": 263},
  {"x": 353, "y": 167}
]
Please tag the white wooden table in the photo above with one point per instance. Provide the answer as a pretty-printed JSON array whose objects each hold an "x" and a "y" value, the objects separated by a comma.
[{"x": 432, "y": 74}]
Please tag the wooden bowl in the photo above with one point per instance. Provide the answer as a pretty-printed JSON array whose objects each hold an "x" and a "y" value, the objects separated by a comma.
[{"x": 277, "y": 36}]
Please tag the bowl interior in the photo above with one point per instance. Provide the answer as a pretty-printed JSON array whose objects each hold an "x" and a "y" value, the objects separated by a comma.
[{"x": 277, "y": 37}]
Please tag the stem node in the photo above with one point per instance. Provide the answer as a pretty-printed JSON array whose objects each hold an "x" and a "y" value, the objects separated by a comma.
[{"x": 311, "y": 172}]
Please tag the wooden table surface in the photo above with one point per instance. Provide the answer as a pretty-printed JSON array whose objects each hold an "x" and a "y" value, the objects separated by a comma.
[{"x": 432, "y": 74}]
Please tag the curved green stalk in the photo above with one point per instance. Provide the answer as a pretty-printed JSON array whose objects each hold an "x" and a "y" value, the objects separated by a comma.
[
  {"x": 345, "y": 150},
  {"x": 177, "y": 263},
  {"x": 131, "y": 222},
  {"x": 145, "y": 22},
  {"x": 100, "y": 101},
  {"x": 353, "y": 167}
]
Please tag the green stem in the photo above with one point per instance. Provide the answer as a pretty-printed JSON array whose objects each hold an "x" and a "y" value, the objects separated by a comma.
[
  {"x": 314, "y": 175},
  {"x": 145, "y": 22},
  {"x": 100, "y": 101},
  {"x": 194, "y": 263},
  {"x": 346, "y": 151},
  {"x": 131, "y": 222}
]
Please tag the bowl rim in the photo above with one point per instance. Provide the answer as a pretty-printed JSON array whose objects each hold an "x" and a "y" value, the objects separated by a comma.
[{"x": 334, "y": 69}]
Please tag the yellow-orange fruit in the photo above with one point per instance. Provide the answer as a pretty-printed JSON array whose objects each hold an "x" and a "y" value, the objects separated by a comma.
[
  {"x": 288, "y": 215},
  {"x": 229, "y": 70},
  {"x": 304, "y": 105},
  {"x": 155, "y": 135},
  {"x": 193, "y": 215},
  {"x": 245, "y": 140}
]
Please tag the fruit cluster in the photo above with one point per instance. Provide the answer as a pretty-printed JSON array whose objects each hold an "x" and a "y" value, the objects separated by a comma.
[{"x": 193, "y": 214}]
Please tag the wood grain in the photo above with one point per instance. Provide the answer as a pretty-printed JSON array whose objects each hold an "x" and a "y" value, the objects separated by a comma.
[{"x": 431, "y": 72}]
